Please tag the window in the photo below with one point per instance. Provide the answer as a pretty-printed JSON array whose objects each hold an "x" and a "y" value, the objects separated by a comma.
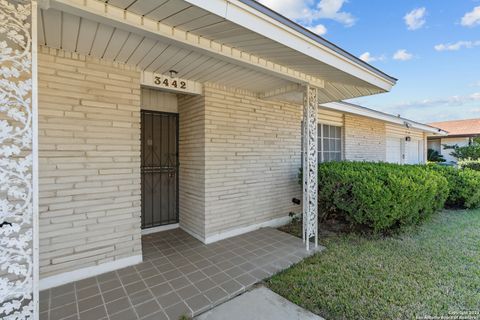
[
  {"x": 329, "y": 143},
  {"x": 330, "y": 140}
]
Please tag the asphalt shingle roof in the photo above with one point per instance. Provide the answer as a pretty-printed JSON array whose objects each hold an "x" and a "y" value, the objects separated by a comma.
[{"x": 459, "y": 127}]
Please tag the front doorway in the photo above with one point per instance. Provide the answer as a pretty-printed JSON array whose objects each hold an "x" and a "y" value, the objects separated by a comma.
[{"x": 159, "y": 168}]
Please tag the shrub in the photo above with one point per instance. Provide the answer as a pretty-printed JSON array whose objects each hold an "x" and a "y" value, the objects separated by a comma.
[
  {"x": 464, "y": 186},
  {"x": 471, "y": 151},
  {"x": 380, "y": 195},
  {"x": 434, "y": 156},
  {"x": 470, "y": 164}
]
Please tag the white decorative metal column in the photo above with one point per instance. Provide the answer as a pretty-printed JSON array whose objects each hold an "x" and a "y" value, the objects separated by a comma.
[
  {"x": 18, "y": 152},
  {"x": 310, "y": 155}
]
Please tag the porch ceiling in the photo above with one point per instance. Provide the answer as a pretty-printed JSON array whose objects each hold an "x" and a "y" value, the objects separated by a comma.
[
  {"x": 104, "y": 37},
  {"x": 75, "y": 34}
]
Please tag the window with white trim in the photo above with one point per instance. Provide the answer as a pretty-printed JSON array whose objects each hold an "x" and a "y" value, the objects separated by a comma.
[{"x": 330, "y": 143}]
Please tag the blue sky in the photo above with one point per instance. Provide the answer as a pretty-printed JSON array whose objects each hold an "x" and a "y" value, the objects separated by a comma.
[{"x": 431, "y": 46}]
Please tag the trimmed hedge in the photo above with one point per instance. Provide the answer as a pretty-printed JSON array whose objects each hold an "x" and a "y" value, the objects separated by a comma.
[
  {"x": 464, "y": 185},
  {"x": 380, "y": 195}
]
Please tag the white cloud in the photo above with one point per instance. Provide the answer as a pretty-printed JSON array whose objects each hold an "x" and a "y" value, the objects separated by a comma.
[
  {"x": 435, "y": 109},
  {"x": 307, "y": 12},
  {"x": 457, "y": 45},
  {"x": 472, "y": 18},
  {"x": 415, "y": 19},
  {"x": 330, "y": 9},
  {"x": 367, "y": 57},
  {"x": 441, "y": 102},
  {"x": 293, "y": 9},
  {"x": 319, "y": 29},
  {"x": 402, "y": 55},
  {"x": 428, "y": 110}
]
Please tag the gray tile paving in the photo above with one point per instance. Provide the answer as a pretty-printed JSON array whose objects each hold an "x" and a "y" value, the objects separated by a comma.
[{"x": 179, "y": 276}]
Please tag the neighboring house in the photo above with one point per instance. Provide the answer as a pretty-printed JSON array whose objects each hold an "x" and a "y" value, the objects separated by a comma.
[
  {"x": 363, "y": 134},
  {"x": 169, "y": 114},
  {"x": 460, "y": 132}
]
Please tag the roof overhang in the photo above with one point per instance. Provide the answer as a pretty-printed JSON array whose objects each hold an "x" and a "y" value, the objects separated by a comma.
[
  {"x": 472, "y": 135},
  {"x": 260, "y": 19},
  {"x": 378, "y": 115},
  {"x": 248, "y": 42}
]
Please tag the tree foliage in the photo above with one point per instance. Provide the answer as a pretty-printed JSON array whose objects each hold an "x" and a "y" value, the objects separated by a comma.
[
  {"x": 434, "y": 156},
  {"x": 470, "y": 151}
]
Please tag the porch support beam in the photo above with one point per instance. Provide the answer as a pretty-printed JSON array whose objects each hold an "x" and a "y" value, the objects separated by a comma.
[
  {"x": 272, "y": 94},
  {"x": 18, "y": 160},
  {"x": 310, "y": 163},
  {"x": 105, "y": 13}
]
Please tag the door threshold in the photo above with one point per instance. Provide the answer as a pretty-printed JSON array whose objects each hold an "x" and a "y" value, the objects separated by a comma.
[{"x": 160, "y": 228}]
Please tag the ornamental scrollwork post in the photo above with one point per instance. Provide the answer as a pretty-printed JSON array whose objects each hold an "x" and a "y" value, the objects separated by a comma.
[
  {"x": 16, "y": 160},
  {"x": 310, "y": 163}
]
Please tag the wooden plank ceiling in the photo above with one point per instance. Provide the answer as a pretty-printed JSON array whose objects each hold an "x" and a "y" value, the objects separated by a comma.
[
  {"x": 62, "y": 30},
  {"x": 72, "y": 33}
]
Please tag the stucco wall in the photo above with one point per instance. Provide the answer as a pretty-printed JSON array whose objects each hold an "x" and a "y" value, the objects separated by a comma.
[
  {"x": 364, "y": 139},
  {"x": 89, "y": 128},
  {"x": 252, "y": 152},
  {"x": 449, "y": 142},
  {"x": 435, "y": 144}
]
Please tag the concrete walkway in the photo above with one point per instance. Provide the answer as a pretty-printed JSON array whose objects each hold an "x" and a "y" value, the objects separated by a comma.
[{"x": 258, "y": 304}]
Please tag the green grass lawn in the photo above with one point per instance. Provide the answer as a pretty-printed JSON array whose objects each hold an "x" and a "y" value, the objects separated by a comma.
[{"x": 429, "y": 270}]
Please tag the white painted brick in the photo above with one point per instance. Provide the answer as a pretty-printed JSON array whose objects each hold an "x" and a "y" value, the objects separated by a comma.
[
  {"x": 78, "y": 109},
  {"x": 365, "y": 139},
  {"x": 252, "y": 155}
]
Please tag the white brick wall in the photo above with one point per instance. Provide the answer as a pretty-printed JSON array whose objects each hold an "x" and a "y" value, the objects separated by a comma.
[
  {"x": 239, "y": 159},
  {"x": 364, "y": 139},
  {"x": 89, "y": 128},
  {"x": 252, "y": 157},
  {"x": 192, "y": 164}
]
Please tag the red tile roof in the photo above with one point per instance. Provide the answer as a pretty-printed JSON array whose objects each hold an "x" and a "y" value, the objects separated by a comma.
[{"x": 459, "y": 127}]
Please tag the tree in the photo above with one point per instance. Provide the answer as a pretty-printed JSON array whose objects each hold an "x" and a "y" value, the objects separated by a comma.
[
  {"x": 471, "y": 151},
  {"x": 434, "y": 156}
]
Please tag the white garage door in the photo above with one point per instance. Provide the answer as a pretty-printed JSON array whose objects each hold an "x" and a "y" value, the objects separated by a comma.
[
  {"x": 394, "y": 150},
  {"x": 412, "y": 154}
]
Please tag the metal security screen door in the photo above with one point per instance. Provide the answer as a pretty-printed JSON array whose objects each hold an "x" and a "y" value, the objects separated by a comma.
[{"x": 159, "y": 168}]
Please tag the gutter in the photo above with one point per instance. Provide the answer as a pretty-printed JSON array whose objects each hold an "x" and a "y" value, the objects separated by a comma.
[
  {"x": 472, "y": 135},
  {"x": 374, "y": 114}
]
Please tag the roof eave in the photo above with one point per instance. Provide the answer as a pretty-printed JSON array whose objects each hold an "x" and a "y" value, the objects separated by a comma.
[
  {"x": 262, "y": 20},
  {"x": 374, "y": 114},
  {"x": 463, "y": 135},
  {"x": 304, "y": 31}
]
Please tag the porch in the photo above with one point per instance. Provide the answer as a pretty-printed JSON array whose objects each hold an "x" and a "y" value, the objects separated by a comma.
[
  {"x": 243, "y": 78},
  {"x": 179, "y": 276}
]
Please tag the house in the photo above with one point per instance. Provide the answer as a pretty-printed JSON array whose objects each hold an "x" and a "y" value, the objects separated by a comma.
[
  {"x": 370, "y": 135},
  {"x": 121, "y": 118},
  {"x": 460, "y": 132}
]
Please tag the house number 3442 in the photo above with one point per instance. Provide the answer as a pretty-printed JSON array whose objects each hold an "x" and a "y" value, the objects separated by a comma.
[{"x": 165, "y": 82}]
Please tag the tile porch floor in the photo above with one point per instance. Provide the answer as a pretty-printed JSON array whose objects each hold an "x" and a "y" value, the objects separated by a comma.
[{"x": 179, "y": 276}]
